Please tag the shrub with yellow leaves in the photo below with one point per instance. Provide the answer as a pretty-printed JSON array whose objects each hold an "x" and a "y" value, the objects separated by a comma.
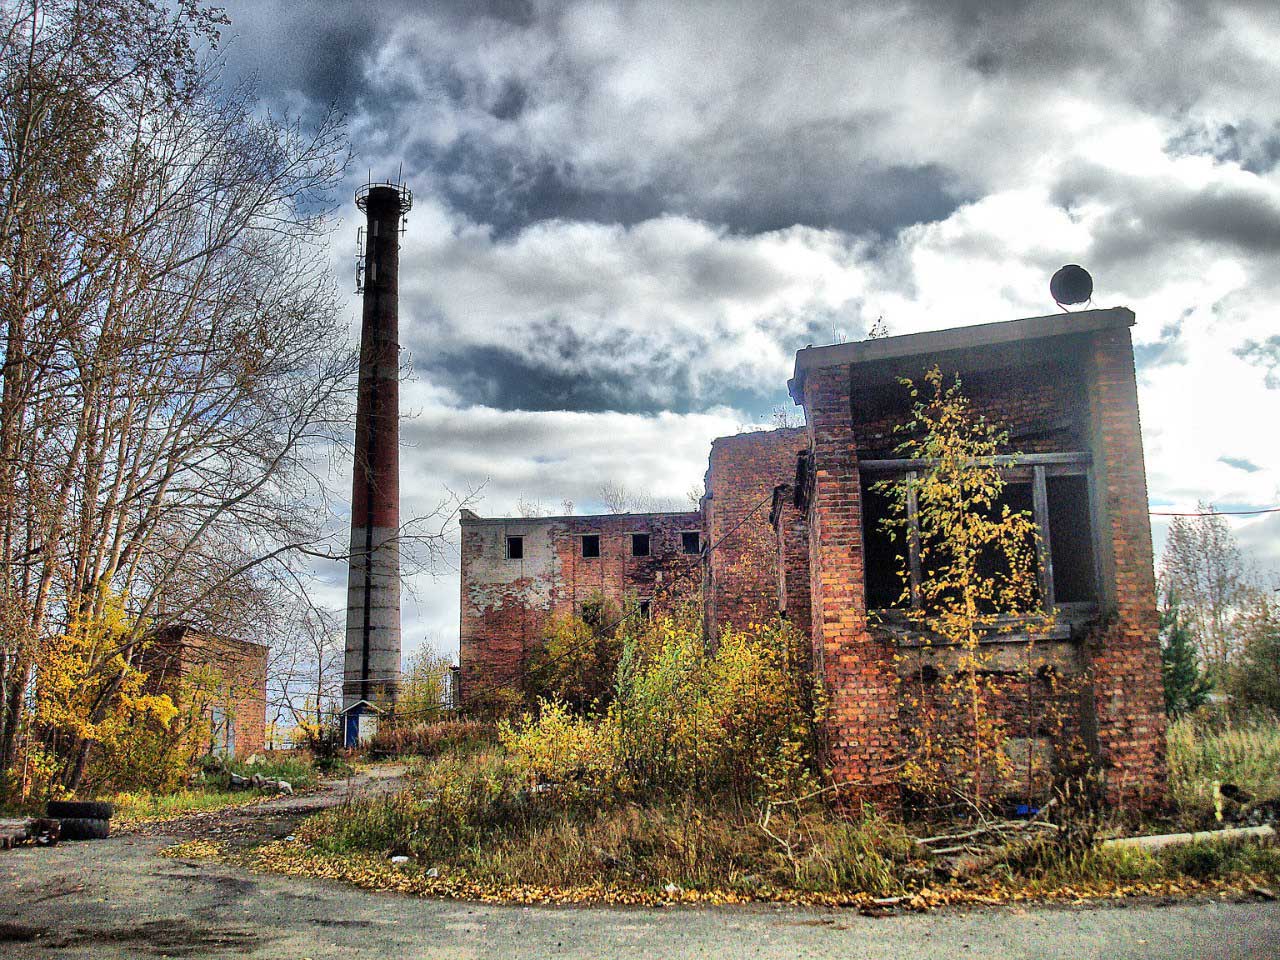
[
  {"x": 560, "y": 747},
  {"x": 99, "y": 719}
]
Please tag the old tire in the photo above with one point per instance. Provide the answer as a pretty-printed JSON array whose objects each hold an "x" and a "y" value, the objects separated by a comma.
[
  {"x": 81, "y": 809},
  {"x": 84, "y": 828}
]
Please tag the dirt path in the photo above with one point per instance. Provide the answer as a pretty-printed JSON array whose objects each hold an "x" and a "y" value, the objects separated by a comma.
[
  {"x": 272, "y": 819},
  {"x": 117, "y": 898}
]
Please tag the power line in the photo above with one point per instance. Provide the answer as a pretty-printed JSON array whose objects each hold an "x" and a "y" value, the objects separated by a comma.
[{"x": 1215, "y": 513}]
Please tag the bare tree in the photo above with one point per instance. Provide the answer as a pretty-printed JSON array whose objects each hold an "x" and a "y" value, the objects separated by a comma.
[
  {"x": 1203, "y": 574},
  {"x": 169, "y": 370},
  {"x": 304, "y": 666},
  {"x": 617, "y": 498}
]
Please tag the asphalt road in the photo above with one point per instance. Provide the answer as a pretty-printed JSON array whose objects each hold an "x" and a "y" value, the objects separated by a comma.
[{"x": 116, "y": 898}]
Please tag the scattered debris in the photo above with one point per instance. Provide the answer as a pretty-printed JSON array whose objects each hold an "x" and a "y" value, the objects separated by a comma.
[
  {"x": 45, "y": 831},
  {"x": 1264, "y": 834},
  {"x": 971, "y": 851}
]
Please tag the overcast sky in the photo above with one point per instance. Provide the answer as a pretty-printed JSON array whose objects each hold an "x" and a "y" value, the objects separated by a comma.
[{"x": 628, "y": 216}]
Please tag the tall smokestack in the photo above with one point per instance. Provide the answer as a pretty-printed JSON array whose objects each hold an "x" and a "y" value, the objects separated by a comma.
[{"x": 372, "y": 668}]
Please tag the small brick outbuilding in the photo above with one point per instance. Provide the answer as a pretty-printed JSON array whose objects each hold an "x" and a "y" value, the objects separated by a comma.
[
  {"x": 234, "y": 670},
  {"x": 790, "y": 524}
]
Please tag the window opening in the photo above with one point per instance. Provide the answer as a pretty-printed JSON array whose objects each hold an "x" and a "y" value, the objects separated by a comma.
[
  {"x": 1071, "y": 539},
  {"x": 691, "y": 542},
  {"x": 1053, "y": 488},
  {"x": 646, "y": 607},
  {"x": 515, "y": 548},
  {"x": 639, "y": 544},
  {"x": 590, "y": 546}
]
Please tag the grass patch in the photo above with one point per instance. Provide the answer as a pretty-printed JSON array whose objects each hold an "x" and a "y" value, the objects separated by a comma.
[
  {"x": 478, "y": 818},
  {"x": 1203, "y": 750},
  {"x": 297, "y": 769},
  {"x": 214, "y": 794},
  {"x": 477, "y": 826},
  {"x": 143, "y": 807}
]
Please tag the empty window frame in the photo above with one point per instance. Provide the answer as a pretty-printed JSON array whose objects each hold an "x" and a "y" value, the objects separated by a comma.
[
  {"x": 515, "y": 548},
  {"x": 691, "y": 542},
  {"x": 645, "y": 609},
  {"x": 1054, "y": 488},
  {"x": 590, "y": 546},
  {"x": 639, "y": 544}
]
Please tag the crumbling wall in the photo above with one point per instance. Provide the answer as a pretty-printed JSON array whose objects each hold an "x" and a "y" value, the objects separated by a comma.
[
  {"x": 791, "y": 534},
  {"x": 506, "y": 603},
  {"x": 1064, "y": 394},
  {"x": 1124, "y": 651},
  {"x": 742, "y": 582}
]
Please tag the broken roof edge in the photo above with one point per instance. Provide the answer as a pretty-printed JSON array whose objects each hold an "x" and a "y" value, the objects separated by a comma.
[
  {"x": 470, "y": 516},
  {"x": 178, "y": 632},
  {"x": 954, "y": 338}
]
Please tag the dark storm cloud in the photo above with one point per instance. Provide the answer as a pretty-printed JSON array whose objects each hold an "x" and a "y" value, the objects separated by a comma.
[
  {"x": 1146, "y": 53},
  {"x": 1144, "y": 213},
  {"x": 507, "y": 379},
  {"x": 867, "y": 198},
  {"x": 507, "y": 191},
  {"x": 320, "y": 49}
]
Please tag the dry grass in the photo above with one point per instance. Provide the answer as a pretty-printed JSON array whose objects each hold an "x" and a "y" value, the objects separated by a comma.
[
  {"x": 433, "y": 739},
  {"x": 476, "y": 817},
  {"x": 1203, "y": 750}
]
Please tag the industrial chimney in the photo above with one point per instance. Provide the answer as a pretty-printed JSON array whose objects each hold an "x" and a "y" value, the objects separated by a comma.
[{"x": 371, "y": 675}]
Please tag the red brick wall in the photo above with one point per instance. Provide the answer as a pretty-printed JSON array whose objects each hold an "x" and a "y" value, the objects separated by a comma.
[
  {"x": 860, "y": 741},
  {"x": 1128, "y": 696},
  {"x": 238, "y": 667},
  {"x": 506, "y": 603},
  {"x": 1068, "y": 394},
  {"x": 743, "y": 471},
  {"x": 1040, "y": 400},
  {"x": 791, "y": 531}
]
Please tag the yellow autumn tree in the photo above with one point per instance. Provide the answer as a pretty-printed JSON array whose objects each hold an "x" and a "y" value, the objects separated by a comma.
[
  {"x": 92, "y": 700},
  {"x": 978, "y": 579}
]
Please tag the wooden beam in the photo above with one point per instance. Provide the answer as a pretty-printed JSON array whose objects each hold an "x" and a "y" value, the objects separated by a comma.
[
  {"x": 1020, "y": 460},
  {"x": 913, "y": 539},
  {"x": 1040, "y": 508}
]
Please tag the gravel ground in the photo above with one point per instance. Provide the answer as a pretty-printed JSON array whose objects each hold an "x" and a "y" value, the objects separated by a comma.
[{"x": 117, "y": 898}]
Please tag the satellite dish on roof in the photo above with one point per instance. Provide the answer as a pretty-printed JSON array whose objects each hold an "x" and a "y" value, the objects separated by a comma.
[{"x": 1071, "y": 284}]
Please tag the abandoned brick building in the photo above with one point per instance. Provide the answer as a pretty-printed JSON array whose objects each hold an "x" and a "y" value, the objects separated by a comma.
[
  {"x": 790, "y": 524},
  {"x": 232, "y": 674}
]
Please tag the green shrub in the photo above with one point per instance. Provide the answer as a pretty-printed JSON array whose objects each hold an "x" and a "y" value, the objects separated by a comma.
[
  {"x": 739, "y": 720},
  {"x": 576, "y": 660}
]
